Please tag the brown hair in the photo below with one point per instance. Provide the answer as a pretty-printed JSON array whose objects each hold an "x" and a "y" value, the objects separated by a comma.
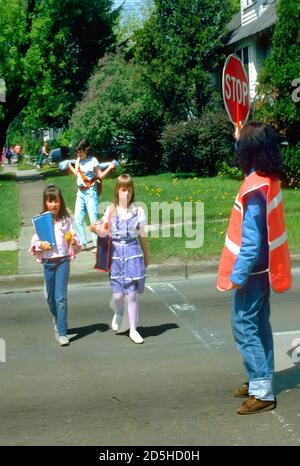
[
  {"x": 83, "y": 144},
  {"x": 51, "y": 193},
  {"x": 123, "y": 181}
]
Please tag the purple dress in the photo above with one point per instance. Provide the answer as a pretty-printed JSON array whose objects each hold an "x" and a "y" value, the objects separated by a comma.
[{"x": 127, "y": 271}]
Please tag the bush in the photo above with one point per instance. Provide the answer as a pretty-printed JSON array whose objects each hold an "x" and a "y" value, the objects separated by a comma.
[
  {"x": 291, "y": 165},
  {"x": 179, "y": 142},
  {"x": 200, "y": 145},
  {"x": 230, "y": 172},
  {"x": 215, "y": 142}
]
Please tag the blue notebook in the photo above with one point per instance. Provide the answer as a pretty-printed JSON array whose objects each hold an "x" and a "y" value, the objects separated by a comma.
[{"x": 44, "y": 227}]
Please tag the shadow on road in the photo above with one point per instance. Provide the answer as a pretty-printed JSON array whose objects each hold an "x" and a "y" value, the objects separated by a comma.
[
  {"x": 153, "y": 331},
  {"x": 82, "y": 332},
  {"x": 156, "y": 330},
  {"x": 287, "y": 379}
]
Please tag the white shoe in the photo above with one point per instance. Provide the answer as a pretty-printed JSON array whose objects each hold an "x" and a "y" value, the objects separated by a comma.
[
  {"x": 136, "y": 337},
  {"x": 63, "y": 341},
  {"x": 116, "y": 322}
]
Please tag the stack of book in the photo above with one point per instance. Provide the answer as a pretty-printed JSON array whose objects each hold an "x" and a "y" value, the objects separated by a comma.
[{"x": 43, "y": 224}]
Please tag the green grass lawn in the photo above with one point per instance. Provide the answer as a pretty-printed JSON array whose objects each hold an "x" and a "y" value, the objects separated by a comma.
[
  {"x": 217, "y": 194},
  {"x": 10, "y": 217},
  {"x": 8, "y": 262},
  {"x": 10, "y": 222}
]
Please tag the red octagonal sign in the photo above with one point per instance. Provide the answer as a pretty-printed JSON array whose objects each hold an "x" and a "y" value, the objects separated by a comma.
[{"x": 235, "y": 90}]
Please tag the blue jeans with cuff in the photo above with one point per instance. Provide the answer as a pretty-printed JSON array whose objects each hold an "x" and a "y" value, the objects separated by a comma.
[
  {"x": 253, "y": 334},
  {"x": 56, "y": 275}
]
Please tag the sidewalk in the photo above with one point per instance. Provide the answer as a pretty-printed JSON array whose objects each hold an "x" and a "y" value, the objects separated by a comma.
[{"x": 31, "y": 185}]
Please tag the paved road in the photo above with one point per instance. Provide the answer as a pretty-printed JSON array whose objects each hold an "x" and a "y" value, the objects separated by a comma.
[{"x": 175, "y": 389}]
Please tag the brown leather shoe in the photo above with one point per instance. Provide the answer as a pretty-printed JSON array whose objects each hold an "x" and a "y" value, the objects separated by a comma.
[
  {"x": 253, "y": 405},
  {"x": 242, "y": 392}
]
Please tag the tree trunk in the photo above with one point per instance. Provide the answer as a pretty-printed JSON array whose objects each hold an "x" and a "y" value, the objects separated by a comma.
[
  {"x": 4, "y": 124},
  {"x": 12, "y": 107}
]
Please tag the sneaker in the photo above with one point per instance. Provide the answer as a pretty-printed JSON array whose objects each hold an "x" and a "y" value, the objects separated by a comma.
[
  {"x": 253, "y": 405},
  {"x": 63, "y": 340},
  {"x": 241, "y": 392},
  {"x": 136, "y": 337},
  {"x": 116, "y": 322}
]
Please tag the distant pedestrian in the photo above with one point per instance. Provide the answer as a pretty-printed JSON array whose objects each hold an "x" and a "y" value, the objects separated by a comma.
[
  {"x": 9, "y": 154},
  {"x": 18, "y": 152},
  {"x": 255, "y": 256},
  {"x": 87, "y": 171},
  {"x": 129, "y": 252},
  {"x": 56, "y": 261},
  {"x": 42, "y": 155},
  {"x": 2, "y": 156}
]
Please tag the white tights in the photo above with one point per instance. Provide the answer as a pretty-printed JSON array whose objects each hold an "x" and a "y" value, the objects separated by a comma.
[{"x": 132, "y": 301}]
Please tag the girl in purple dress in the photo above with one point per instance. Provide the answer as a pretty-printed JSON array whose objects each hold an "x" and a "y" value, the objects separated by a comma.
[{"x": 129, "y": 253}]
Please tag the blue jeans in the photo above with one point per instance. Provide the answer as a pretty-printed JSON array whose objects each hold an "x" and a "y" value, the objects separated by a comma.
[
  {"x": 86, "y": 202},
  {"x": 40, "y": 159},
  {"x": 253, "y": 334},
  {"x": 56, "y": 278}
]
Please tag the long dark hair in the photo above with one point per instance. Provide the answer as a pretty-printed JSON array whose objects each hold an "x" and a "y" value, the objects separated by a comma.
[
  {"x": 258, "y": 149},
  {"x": 51, "y": 193}
]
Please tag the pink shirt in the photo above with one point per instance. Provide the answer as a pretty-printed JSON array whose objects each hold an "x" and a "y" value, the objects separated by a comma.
[{"x": 62, "y": 248}]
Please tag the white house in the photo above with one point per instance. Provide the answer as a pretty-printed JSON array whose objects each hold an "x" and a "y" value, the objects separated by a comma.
[{"x": 251, "y": 35}]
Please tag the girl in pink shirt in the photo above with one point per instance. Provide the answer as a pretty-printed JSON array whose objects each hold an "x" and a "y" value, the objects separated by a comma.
[{"x": 56, "y": 260}]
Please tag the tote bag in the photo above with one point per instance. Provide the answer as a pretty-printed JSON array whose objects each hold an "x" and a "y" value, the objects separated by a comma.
[{"x": 103, "y": 254}]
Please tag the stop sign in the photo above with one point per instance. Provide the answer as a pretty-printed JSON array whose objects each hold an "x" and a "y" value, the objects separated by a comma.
[{"x": 235, "y": 90}]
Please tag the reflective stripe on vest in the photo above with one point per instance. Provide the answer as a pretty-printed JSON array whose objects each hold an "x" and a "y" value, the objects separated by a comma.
[{"x": 279, "y": 259}]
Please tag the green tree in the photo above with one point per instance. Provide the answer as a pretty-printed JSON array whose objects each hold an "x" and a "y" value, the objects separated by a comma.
[
  {"x": 235, "y": 6},
  {"x": 118, "y": 106},
  {"x": 179, "y": 47},
  {"x": 48, "y": 49},
  {"x": 276, "y": 104}
]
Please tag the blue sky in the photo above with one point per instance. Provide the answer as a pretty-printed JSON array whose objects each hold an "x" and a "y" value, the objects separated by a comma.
[{"x": 129, "y": 4}]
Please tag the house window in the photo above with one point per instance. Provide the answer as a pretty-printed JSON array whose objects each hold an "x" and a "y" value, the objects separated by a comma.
[
  {"x": 243, "y": 54},
  {"x": 247, "y": 3}
]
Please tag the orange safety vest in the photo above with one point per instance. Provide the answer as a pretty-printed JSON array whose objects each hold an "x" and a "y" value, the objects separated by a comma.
[{"x": 279, "y": 258}]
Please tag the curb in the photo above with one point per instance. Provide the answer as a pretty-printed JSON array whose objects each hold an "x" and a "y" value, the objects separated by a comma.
[{"x": 155, "y": 272}]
